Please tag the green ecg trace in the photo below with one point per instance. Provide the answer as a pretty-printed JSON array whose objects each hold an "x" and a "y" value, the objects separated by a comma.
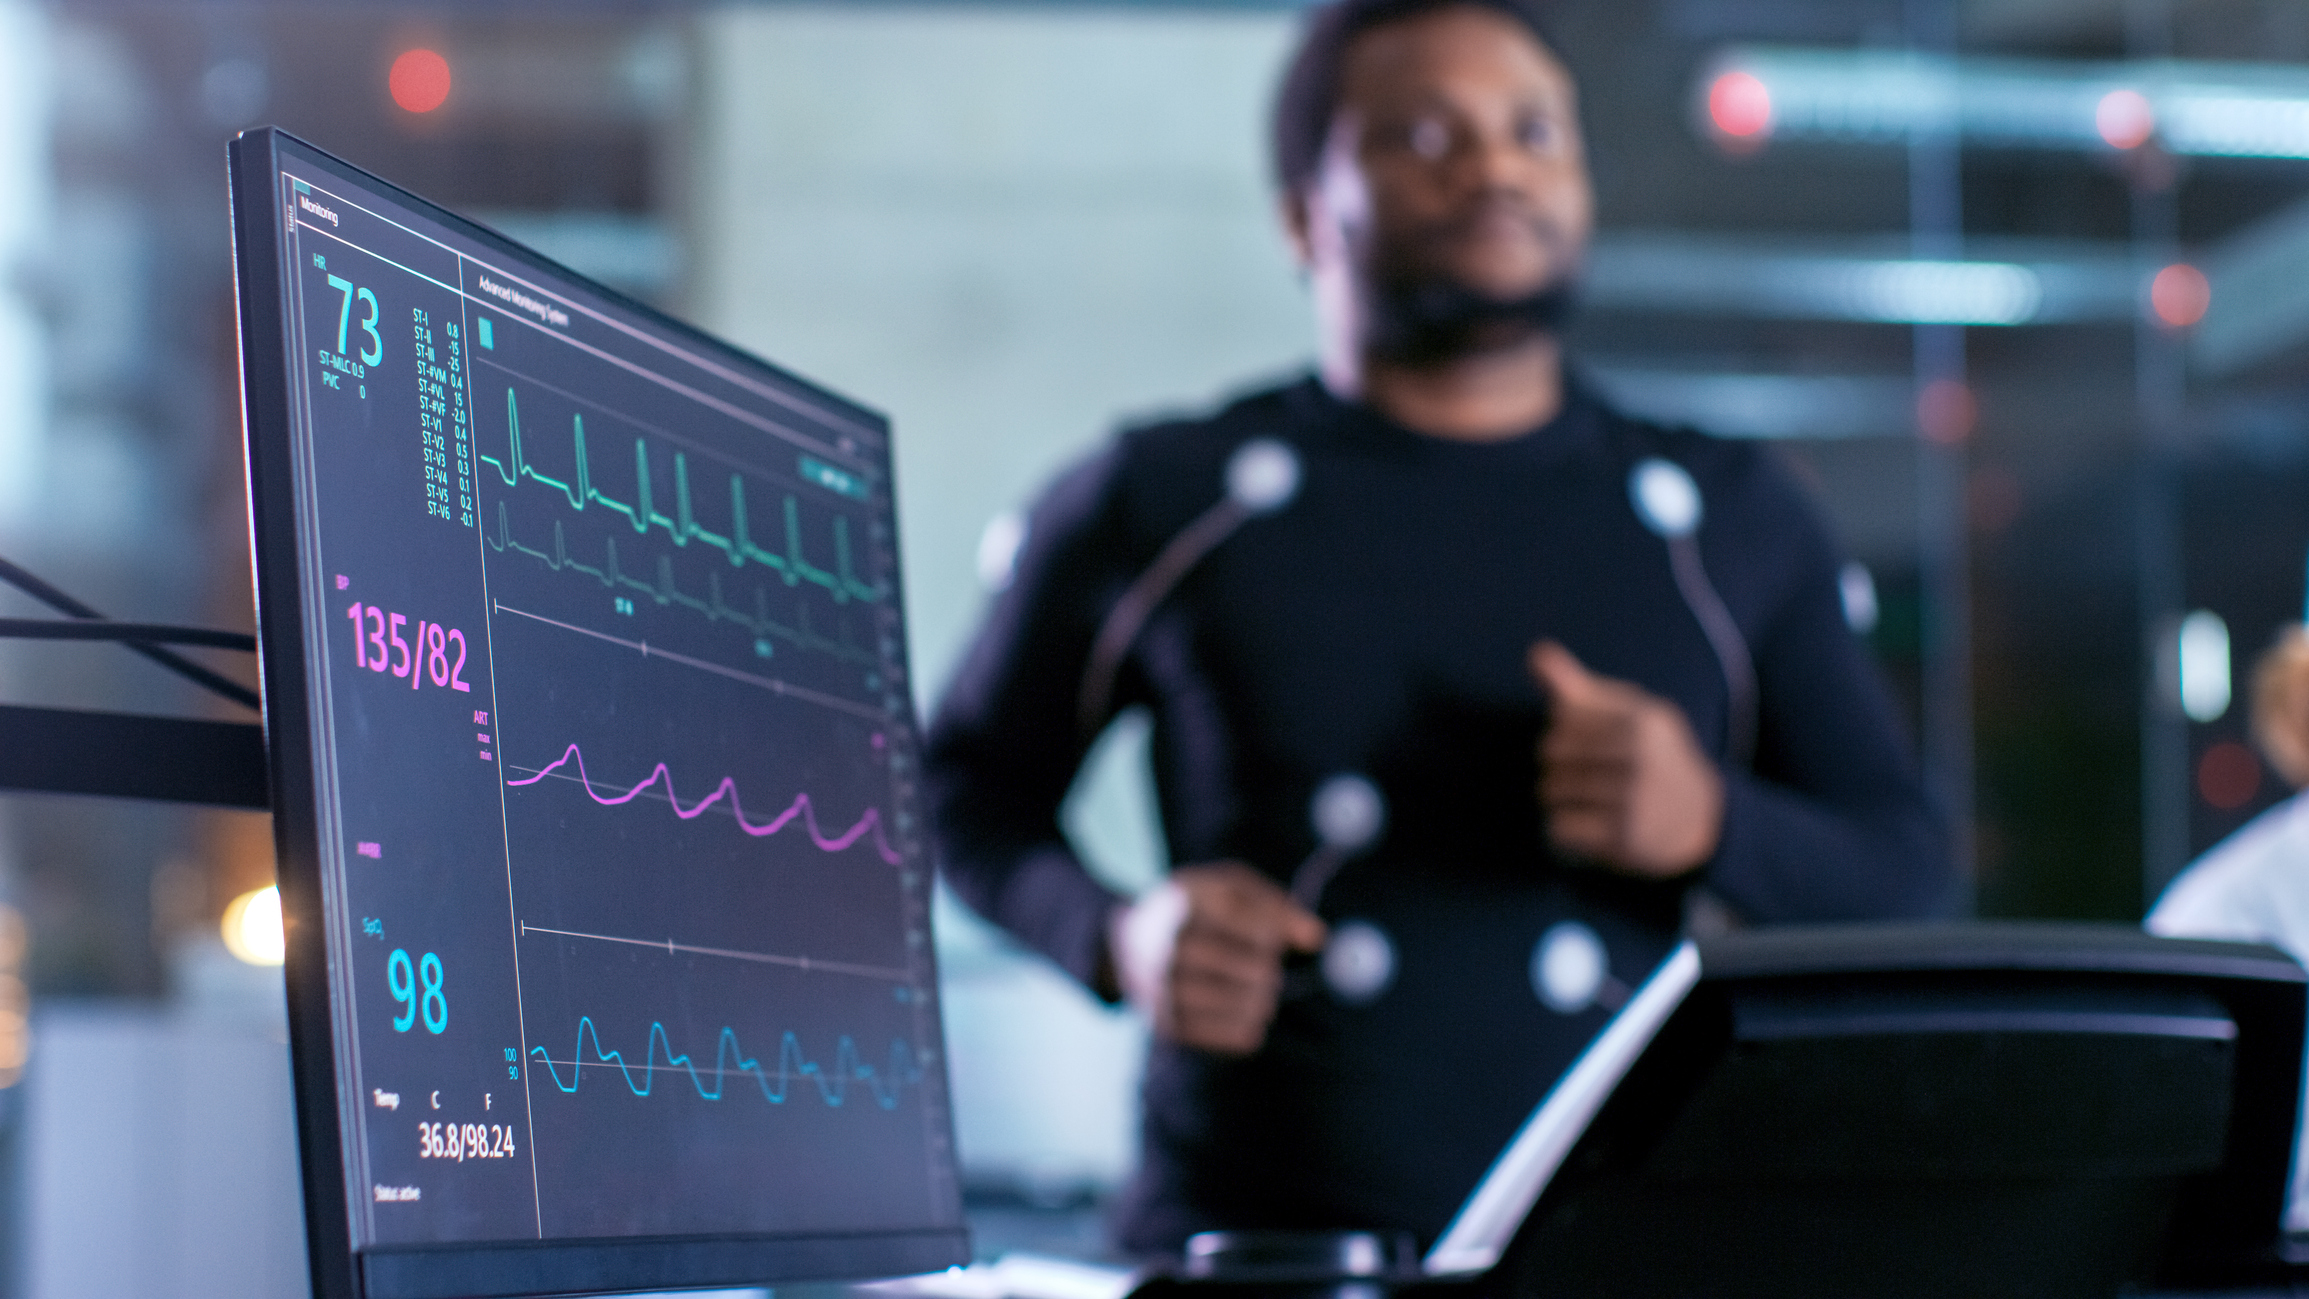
[
  {"x": 683, "y": 527},
  {"x": 665, "y": 592}
]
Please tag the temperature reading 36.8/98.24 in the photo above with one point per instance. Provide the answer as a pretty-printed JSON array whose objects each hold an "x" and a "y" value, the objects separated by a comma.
[{"x": 462, "y": 1141}]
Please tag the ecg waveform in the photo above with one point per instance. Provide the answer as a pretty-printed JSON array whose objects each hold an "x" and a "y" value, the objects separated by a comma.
[
  {"x": 665, "y": 592},
  {"x": 801, "y": 809},
  {"x": 683, "y": 527},
  {"x": 833, "y": 1086}
]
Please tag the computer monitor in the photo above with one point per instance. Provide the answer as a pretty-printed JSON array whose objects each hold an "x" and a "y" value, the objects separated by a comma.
[{"x": 593, "y": 765}]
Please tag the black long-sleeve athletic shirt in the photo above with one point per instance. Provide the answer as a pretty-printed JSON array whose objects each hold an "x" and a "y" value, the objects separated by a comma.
[{"x": 1378, "y": 624}]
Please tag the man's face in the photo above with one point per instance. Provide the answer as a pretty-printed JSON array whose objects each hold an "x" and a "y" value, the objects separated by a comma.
[{"x": 1454, "y": 163}]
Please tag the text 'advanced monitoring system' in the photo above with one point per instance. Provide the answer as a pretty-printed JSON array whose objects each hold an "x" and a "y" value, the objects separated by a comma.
[{"x": 628, "y": 927}]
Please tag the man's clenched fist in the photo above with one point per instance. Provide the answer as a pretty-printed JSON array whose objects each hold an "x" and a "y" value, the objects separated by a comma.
[
  {"x": 1202, "y": 955},
  {"x": 1621, "y": 778}
]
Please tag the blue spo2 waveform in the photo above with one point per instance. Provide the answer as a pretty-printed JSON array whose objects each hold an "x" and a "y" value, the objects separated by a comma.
[
  {"x": 832, "y": 1086},
  {"x": 616, "y": 758}
]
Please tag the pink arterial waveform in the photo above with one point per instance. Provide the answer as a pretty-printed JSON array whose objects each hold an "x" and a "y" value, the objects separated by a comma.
[{"x": 800, "y": 809}]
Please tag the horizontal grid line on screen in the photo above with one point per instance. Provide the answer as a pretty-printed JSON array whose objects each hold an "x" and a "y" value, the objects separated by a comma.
[
  {"x": 771, "y": 684},
  {"x": 711, "y": 367},
  {"x": 670, "y": 947},
  {"x": 691, "y": 444},
  {"x": 497, "y": 309}
]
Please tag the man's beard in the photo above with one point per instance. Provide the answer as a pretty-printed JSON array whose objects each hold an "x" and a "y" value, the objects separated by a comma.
[{"x": 1431, "y": 319}]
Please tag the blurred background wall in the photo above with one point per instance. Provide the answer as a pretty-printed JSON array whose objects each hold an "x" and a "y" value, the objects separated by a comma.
[{"x": 1015, "y": 227}]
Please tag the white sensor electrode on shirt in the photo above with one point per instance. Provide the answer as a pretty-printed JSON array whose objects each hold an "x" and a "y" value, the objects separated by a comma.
[
  {"x": 1568, "y": 967},
  {"x": 1263, "y": 475},
  {"x": 1665, "y": 497},
  {"x": 1358, "y": 962},
  {"x": 1347, "y": 813}
]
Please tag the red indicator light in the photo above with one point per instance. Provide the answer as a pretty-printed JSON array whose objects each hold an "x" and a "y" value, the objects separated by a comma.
[
  {"x": 1740, "y": 106},
  {"x": 2125, "y": 119},
  {"x": 2180, "y": 295},
  {"x": 419, "y": 80},
  {"x": 2228, "y": 775},
  {"x": 1946, "y": 411}
]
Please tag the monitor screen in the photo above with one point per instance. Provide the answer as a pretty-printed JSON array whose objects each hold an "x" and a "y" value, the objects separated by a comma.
[{"x": 593, "y": 755}]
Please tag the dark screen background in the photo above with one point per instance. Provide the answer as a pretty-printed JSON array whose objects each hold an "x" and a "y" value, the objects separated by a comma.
[{"x": 630, "y": 922}]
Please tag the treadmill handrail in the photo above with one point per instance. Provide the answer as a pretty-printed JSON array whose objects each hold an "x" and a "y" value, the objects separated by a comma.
[{"x": 1479, "y": 1233}]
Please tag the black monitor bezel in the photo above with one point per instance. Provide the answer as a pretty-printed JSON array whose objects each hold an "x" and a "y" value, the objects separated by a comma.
[{"x": 433, "y": 1272}]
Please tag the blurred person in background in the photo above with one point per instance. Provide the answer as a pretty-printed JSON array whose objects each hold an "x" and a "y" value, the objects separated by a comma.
[
  {"x": 2253, "y": 887},
  {"x": 1462, "y": 683}
]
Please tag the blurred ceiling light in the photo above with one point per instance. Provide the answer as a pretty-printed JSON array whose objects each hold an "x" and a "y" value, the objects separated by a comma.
[
  {"x": 1763, "y": 405},
  {"x": 2126, "y": 119},
  {"x": 252, "y": 928},
  {"x": 2237, "y": 110},
  {"x": 1944, "y": 293},
  {"x": 2180, "y": 295},
  {"x": 2204, "y": 663},
  {"x": 1740, "y": 106},
  {"x": 2240, "y": 124},
  {"x": 2016, "y": 283},
  {"x": 419, "y": 80}
]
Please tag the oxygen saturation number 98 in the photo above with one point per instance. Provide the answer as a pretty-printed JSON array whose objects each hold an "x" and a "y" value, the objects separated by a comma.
[{"x": 417, "y": 986}]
